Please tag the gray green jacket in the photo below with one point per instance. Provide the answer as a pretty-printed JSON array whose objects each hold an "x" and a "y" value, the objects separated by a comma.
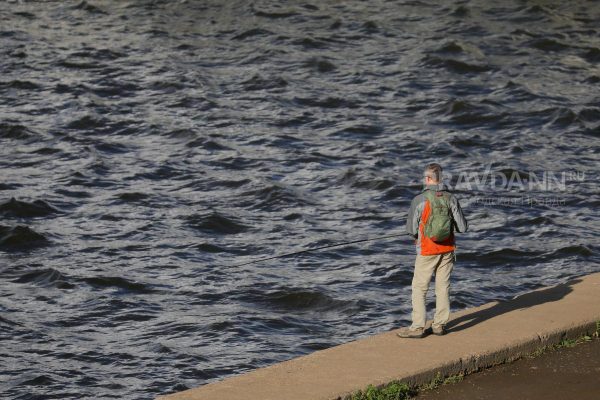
[{"x": 416, "y": 209}]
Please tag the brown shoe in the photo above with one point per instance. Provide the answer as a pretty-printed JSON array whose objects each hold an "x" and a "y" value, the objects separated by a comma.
[
  {"x": 411, "y": 333},
  {"x": 438, "y": 330}
]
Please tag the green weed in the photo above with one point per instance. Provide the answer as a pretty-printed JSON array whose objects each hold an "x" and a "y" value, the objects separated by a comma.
[{"x": 392, "y": 391}]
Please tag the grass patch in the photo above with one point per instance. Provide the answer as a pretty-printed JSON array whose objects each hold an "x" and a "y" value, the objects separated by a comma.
[
  {"x": 454, "y": 379},
  {"x": 564, "y": 344},
  {"x": 397, "y": 390},
  {"x": 567, "y": 343},
  {"x": 394, "y": 390},
  {"x": 435, "y": 383}
]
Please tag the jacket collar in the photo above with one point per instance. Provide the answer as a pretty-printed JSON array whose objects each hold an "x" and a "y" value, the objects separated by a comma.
[{"x": 437, "y": 187}]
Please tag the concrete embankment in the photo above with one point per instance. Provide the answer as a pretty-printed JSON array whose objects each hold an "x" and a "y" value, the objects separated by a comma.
[{"x": 479, "y": 337}]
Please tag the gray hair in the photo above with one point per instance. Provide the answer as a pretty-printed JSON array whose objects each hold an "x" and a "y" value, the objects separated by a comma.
[{"x": 434, "y": 171}]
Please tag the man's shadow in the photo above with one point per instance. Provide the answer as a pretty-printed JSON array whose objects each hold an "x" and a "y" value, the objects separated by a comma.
[{"x": 523, "y": 301}]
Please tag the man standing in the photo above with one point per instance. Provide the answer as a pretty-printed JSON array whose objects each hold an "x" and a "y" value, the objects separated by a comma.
[{"x": 434, "y": 216}]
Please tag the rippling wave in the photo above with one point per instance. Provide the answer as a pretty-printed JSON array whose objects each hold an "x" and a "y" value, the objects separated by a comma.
[{"x": 151, "y": 148}]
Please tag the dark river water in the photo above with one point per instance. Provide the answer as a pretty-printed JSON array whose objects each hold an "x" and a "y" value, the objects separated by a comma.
[{"x": 148, "y": 148}]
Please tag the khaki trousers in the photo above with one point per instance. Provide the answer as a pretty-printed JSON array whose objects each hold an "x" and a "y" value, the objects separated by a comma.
[{"x": 441, "y": 266}]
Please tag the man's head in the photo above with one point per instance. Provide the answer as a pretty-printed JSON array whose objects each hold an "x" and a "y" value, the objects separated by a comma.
[{"x": 433, "y": 174}]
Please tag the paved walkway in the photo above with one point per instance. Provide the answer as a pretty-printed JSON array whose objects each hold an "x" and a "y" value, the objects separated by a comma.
[{"x": 477, "y": 338}]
